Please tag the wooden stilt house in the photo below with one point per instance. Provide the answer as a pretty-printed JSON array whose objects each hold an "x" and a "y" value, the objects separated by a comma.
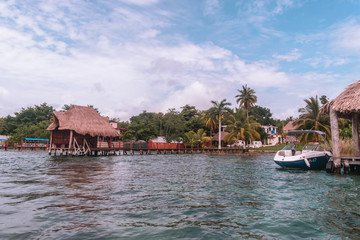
[
  {"x": 81, "y": 131},
  {"x": 346, "y": 105}
]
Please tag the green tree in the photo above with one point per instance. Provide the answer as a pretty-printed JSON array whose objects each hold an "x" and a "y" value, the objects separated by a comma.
[
  {"x": 210, "y": 120},
  {"x": 188, "y": 112},
  {"x": 242, "y": 127},
  {"x": 345, "y": 128},
  {"x": 9, "y": 125},
  {"x": 246, "y": 98},
  {"x": 323, "y": 99},
  {"x": 29, "y": 122},
  {"x": 143, "y": 126},
  {"x": 192, "y": 118},
  {"x": 33, "y": 115},
  {"x": 174, "y": 126},
  {"x": 311, "y": 119},
  {"x": 37, "y": 130},
  {"x": 123, "y": 124},
  {"x": 262, "y": 115},
  {"x": 66, "y": 107},
  {"x": 218, "y": 112}
]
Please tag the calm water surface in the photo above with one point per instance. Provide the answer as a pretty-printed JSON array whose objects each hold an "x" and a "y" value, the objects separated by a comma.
[{"x": 172, "y": 197}]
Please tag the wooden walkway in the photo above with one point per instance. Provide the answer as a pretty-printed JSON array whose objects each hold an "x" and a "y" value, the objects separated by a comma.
[
  {"x": 354, "y": 163},
  {"x": 349, "y": 164},
  {"x": 143, "y": 151},
  {"x": 20, "y": 148}
]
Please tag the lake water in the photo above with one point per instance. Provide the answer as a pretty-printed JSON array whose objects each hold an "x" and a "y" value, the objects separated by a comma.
[{"x": 172, "y": 197}]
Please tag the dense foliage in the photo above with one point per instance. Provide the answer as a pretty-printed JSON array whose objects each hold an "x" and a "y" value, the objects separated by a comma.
[
  {"x": 188, "y": 124},
  {"x": 29, "y": 122}
]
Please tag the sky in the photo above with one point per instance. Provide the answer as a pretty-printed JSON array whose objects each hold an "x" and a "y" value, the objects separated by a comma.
[{"x": 127, "y": 56}]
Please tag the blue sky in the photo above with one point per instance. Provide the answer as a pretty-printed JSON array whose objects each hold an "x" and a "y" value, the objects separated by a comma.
[{"x": 127, "y": 56}]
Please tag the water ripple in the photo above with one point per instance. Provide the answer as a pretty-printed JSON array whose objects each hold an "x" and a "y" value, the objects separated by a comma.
[{"x": 172, "y": 197}]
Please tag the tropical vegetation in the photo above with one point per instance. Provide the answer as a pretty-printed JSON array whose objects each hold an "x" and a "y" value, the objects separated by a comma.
[
  {"x": 218, "y": 112},
  {"x": 311, "y": 119},
  {"x": 246, "y": 98},
  {"x": 188, "y": 124},
  {"x": 242, "y": 127}
]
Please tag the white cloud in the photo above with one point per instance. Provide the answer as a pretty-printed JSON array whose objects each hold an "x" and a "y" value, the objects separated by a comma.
[
  {"x": 295, "y": 54},
  {"x": 346, "y": 37},
  {"x": 130, "y": 77},
  {"x": 326, "y": 61},
  {"x": 211, "y": 7},
  {"x": 141, "y": 2},
  {"x": 122, "y": 62},
  {"x": 3, "y": 92},
  {"x": 281, "y": 5}
]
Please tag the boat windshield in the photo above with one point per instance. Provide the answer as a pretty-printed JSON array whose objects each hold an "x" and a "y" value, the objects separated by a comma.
[
  {"x": 311, "y": 147},
  {"x": 289, "y": 147}
]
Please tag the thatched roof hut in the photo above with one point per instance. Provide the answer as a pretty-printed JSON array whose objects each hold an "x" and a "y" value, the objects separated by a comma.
[
  {"x": 347, "y": 103},
  {"x": 223, "y": 135},
  {"x": 289, "y": 126},
  {"x": 83, "y": 120}
]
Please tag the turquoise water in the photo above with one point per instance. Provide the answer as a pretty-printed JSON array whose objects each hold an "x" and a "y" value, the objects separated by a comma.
[{"x": 172, "y": 197}]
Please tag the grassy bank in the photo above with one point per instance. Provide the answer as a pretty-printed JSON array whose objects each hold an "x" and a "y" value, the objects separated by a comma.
[{"x": 276, "y": 148}]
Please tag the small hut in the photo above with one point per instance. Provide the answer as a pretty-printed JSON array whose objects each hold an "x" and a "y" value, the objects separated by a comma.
[
  {"x": 346, "y": 105},
  {"x": 215, "y": 139},
  {"x": 80, "y": 131},
  {"x": 289, "y": 127}
]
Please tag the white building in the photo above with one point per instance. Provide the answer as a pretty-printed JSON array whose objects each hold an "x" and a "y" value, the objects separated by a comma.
[{"x": 273, "y": 137}]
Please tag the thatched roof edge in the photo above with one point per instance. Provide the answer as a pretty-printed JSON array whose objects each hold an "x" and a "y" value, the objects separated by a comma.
[
  {"x": 83, "y": 120},
  {"x": 346, "y": 103}
]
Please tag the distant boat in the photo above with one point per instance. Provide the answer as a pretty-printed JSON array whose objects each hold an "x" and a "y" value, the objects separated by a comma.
[{"x": 312, "y": 156}]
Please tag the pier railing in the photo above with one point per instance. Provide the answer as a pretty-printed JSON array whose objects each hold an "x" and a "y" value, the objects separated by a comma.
[{"x": 20, "y": 145}]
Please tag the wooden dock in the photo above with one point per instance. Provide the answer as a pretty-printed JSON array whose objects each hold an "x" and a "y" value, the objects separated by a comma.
[
  {"x": 349, "y": 164},
  {"x": 106, "y": 151},
  {"x": 354, "y": 164},
  {"x": 25, "y": 145}
]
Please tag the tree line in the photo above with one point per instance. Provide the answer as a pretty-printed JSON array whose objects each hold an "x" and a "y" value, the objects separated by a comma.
[{"x": 189, "y": 124}]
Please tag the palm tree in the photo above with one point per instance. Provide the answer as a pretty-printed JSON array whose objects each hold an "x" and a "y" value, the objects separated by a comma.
[
  {"x": 198, "y": 137},
  {"x": 246, "y": 98},
  {"x": 217, "y": 112},
  {"x": 242, "y": 127},
  {"x": 311, "y": 119},
  {"x": 210, "y": 120}
]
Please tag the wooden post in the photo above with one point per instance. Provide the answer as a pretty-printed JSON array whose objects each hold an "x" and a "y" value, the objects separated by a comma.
[
  {"x": 51, "y": 136},
  {"x": 335, "y": 140},
  {"x": 219, "y": 145},
  {"x": 71, "y": 139},
  {"x": 355, "y": 133}
]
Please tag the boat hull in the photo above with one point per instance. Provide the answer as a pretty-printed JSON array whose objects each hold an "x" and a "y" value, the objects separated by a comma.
[{"x": 316, "y": 161}]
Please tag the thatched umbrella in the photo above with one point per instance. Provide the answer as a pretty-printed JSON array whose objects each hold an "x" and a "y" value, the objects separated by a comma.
[{"x": 346, "y": 105}]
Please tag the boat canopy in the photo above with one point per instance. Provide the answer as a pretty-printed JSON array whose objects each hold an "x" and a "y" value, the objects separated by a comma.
[{"x": 299, "y": 132}]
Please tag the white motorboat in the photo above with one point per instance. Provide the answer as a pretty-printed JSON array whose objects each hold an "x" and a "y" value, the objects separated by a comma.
[{"x": 312, "y": 156}]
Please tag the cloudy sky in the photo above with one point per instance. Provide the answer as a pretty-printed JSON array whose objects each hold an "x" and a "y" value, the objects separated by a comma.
[{"x": 126, "y": 56}]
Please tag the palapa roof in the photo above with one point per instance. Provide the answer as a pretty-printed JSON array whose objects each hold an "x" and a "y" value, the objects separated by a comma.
[
  {"x": 216, "y": 136},
  {"x": 289, "y": 126},
  {"x": 83, "y": 120},
  {"x": 346, "y": 103}
]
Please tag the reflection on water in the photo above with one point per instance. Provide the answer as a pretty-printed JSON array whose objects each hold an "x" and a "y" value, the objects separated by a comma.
[{"x": 171, "y": 197}]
